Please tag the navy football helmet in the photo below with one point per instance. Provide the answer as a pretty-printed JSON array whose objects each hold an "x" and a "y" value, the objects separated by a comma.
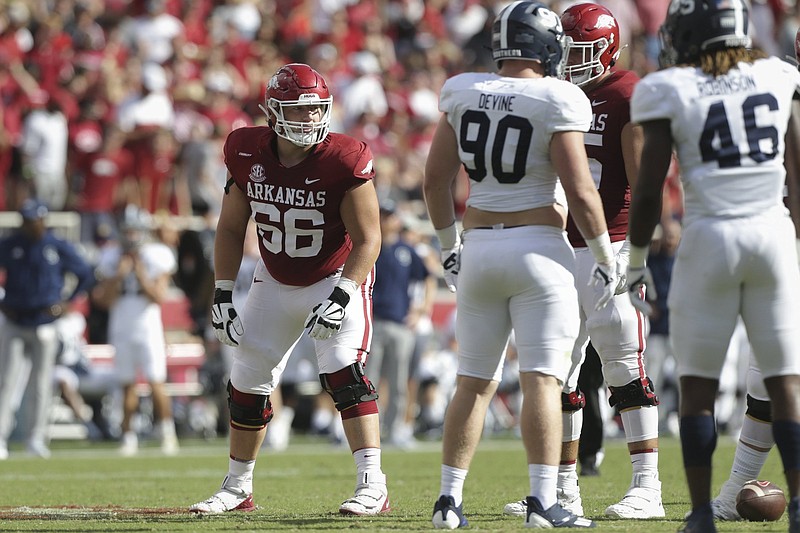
[
  {"x": 530, "y": 31},
  {"x": 695, "y": 26}
]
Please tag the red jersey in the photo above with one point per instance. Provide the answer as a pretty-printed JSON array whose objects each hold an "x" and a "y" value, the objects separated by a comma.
[
  {"x": 611, "y": 111},
  {"x": 103, "y": 173},
  {"x": 302, "y": 238}
]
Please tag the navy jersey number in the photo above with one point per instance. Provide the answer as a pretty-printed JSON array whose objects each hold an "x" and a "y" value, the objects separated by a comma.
[
  {"x": 474, "y": 140},
  {"x": 727, "y": 155}
]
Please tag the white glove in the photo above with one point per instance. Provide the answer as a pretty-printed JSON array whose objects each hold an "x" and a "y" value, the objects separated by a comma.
[
  {"x": 326, "y": 318},
  {"x": 640, "y": 278},
  {"x": 604, "y": 278},
  {"x": 227, "y": 324},
  {"x": 623, "y": 259},
  {"x": 451, "y": 264}
]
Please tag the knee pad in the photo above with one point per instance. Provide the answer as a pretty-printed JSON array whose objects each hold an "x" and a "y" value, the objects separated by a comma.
[
  {"x": 759, "y": 409},
  {"x": 249, "y": 412},
  {"x": 637, "y": 393},
  {"x": 574, "y": 401},
  {"x": 351, "y": 391}
]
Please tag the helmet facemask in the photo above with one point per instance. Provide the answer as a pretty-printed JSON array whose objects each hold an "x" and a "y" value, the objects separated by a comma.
[
  {"x": 300, "y": 132},
  {"x": 590, "y": 66}
]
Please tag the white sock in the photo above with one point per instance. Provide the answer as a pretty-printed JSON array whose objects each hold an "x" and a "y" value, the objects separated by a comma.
[
  {"x": 452, "y": 483},
  {"x": 367, "y": 460},
  {"x": 645, "y": 462},
  {"x": 568, "y": 476},
  {"x": 543, "y": 481},
  {"x": 240, "y": 474}
]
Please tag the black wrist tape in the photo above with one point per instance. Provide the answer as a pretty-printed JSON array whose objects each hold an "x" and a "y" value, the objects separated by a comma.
[{"x": 339, "y": 296}]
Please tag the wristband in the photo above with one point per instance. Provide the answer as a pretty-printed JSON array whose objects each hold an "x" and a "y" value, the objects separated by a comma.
[
  {"x": 448, "y": 237},
  {"x": 601, "y": 248},
  {"x": 348, "y": 286},
  {"x": 339, "y": 296},
  {"x": 638, "y": 256},
  {"x": 224, "y": 284}
]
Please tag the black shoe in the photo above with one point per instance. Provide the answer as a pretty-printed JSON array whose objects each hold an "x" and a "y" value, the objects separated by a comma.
[
  {"x": 446, "y": 515},
  {"x": 701, "y": 520},
  {"x": 555, "y": 516},
  {"x": 794, "y": 515},
  {"x": 589, "y": 467}
]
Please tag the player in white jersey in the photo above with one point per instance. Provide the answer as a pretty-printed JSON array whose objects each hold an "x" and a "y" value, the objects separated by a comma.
[
  {"x": 755, "y": 438},
  {"x": 134, "y": 280},
  {"x": 617, "y": 331},
  {"x": 725, "y": 109},
  {"x": 515, "y": 133}
]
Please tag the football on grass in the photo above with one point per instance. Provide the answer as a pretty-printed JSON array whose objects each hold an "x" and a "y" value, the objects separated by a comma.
[{"x": 760, "y": 501}]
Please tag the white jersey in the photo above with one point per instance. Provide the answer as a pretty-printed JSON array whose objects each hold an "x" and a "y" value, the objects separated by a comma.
[
  {"x": 728, "y": 131},
  {"x": 504, "y": 127},
  {"x": 134, "y": 314}
]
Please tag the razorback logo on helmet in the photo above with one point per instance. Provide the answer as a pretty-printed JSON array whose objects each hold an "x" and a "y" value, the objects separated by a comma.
[{"x": 606, "y": 21}]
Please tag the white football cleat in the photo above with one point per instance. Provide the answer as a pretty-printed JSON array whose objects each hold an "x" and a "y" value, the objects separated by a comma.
[
  {"x": 37, "y": 448},
  {"x": 129, "y": 445},
  {"x": 169, "y": 445},
  {"x": 570, "y": 501},
  {"x": 371, "y": 496},
  {"x": 224, "y": 500},
  {"x": 517, "y": 508},
  {"x": 643, "y": 499}
]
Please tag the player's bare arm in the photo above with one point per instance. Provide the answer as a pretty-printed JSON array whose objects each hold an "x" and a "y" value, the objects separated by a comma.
[
  {"x": 231, "y": 228},
  {"x": 792, "y": 163},
  {"x": 568, "y": 154},
  {"x": 441, "y": 170},
  {"x": 645, "y": 211},
  {"x": 632, "y": 143},
  {"x": 360, "y": 214}
]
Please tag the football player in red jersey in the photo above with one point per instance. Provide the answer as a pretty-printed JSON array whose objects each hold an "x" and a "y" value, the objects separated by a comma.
[
  {"x": 311, "y": 195},
  {"x": 617, "y": 331}
]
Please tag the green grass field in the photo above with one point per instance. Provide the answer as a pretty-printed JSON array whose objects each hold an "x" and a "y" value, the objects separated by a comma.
[{"x": 87, "y": 487}]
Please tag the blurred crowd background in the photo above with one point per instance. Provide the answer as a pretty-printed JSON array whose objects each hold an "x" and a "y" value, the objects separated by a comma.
[
  {"x": 136, "y": 97},
  {"x": 110, "y": 103}
]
